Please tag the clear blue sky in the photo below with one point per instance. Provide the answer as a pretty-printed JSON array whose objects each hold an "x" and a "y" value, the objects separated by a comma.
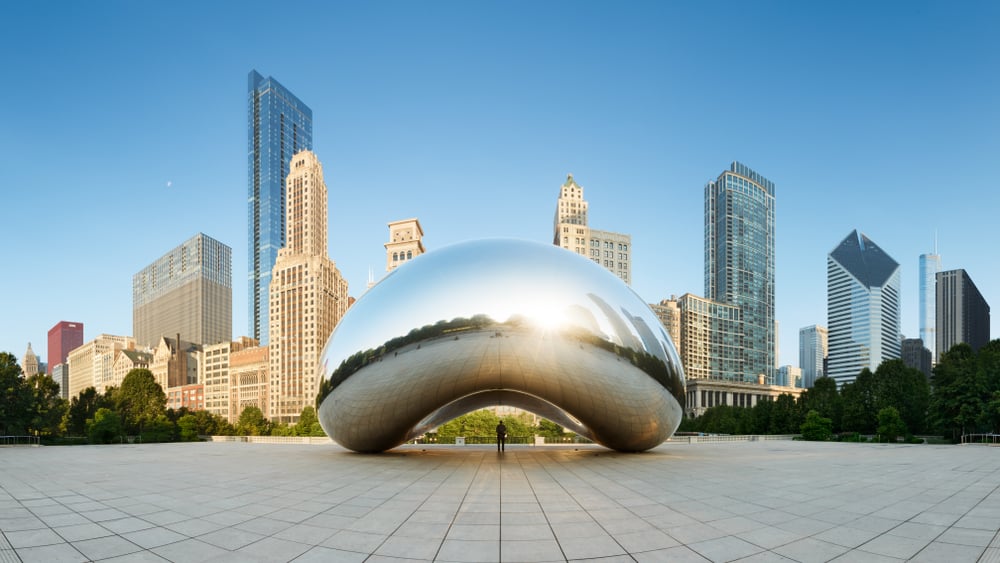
[{"x": 123, "y": 133}]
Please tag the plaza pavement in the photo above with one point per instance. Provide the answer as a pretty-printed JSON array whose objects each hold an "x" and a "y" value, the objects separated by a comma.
[{"x": 755, "y": 501}]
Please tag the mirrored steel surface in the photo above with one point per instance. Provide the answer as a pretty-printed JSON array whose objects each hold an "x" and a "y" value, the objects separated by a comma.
[{"x": 500, "y": 322}]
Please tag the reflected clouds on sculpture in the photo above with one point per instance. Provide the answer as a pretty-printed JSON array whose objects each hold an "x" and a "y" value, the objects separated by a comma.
[{"x": 500, "y": 322}]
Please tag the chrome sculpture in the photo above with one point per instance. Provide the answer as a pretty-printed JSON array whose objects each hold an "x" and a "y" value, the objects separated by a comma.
[{"x": 500, "y": 322}]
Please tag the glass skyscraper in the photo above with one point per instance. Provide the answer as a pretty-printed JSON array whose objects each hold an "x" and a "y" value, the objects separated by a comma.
[
  {"x": 963, "y": 315},
  {"x": 279, "y": 125},
  {"x": 862, "y": 307},
  {"x": 739, "y": 260},
  {"x": 930, "y": 265}
]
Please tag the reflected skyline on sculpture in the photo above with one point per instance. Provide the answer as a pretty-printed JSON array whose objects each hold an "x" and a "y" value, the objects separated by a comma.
[{"x": 500, "y": 322}]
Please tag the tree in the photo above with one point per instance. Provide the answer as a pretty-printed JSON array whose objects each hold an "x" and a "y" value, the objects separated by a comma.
[
  {"x": 46, "y": 406},
  {"x": 15, "y": 397},
  {"x": 890, "y": 424},
  {"x": 308, "y": 424},
  {"x": 140, "y": 400},
  {"x": 823, "y": 398},
  {"x": 959, "y": 388},
  {"x": 903, "y": 388},
  {"x": 816, "y": 427},
  {"x": 550, "y": 429},
  {"x": 81, "y": 408},
  {"x": 188, "y": 427},
  {"x": 859, "y": 413},
  {"x": 785, "y": 417},
  {"x": 105, "y": 427},
  {"x": 253, "y": 423}
]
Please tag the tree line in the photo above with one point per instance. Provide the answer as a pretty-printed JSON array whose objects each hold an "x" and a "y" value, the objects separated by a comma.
[
  {"x": 136, "y": 410},
  {"x": 962, "y": 397}
]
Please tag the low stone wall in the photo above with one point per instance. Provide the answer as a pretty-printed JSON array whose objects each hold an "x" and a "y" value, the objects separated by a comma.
[
  {"x": 271, "y": 439},
  {"x": 735, "y": 438}
]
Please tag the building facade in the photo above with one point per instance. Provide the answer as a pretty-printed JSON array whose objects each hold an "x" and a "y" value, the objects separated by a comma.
[
  {"x": 917, "y": 356},
  {"x": 29, "y": 363},
  {"x": 279, "y": 125},
  {"x": 126, "y": 361},
  {"x": 790, "y": 376},
  {"x": 308, "y": 294},
  {"x": 669, "y": 313},
  {"x": 962, "y": 313},
  {"x": 862, "y": 307},
  {"x": 60, "y": 374},
  {"x": 711, "y": 341},
  {"x": 930, "y": 265},
  {"x": 250, "y": 381},
  {"x": 813, "y": 343},
  {"x": 572, "y": 232},
  {"x": 175, "y": 362},
  {"x": 405, "y": 243},
  {"x": 92, "y": 363},
  {"x": 63, "y": 337},
  {"x": 706, "y": 393},
  {"x": 215, "y": 374},
  {"x": 188, "y": 290},
  {"x": 739, "y": 260}
]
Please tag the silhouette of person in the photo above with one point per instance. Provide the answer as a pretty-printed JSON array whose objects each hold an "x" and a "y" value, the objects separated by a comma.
[{"x": 501, "y": 436}]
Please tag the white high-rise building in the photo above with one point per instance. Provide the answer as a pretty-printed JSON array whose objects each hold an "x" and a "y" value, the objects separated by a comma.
[
  {"x": 308, "y": 295},
  {"x": 862, "y": 307},
  {"x": 813, "y": 342}
]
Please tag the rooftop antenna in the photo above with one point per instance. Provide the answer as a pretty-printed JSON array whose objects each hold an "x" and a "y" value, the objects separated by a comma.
[{"x": 371, "y": 277}]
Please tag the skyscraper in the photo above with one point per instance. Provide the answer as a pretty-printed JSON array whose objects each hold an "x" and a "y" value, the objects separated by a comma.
[
  {"x": 29, "y": 365},
  {"x": 962, "y": 313},
  {"x": 813, "y": 341},
  {"x": 63, "y": 337},
  {"x": 308, "y": 294},
  {"x": 279, "y": 125},
  {"x": 862, "y": 307},
  {"x": 187, "y": 291},
  {"x": 405, "y": 243},
  {"x": 930, "y": 265},
  {"x": 571, "y": 231},
  {"x": 739, "y": 260}
]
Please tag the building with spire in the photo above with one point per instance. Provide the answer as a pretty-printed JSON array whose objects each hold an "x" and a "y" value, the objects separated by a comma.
[
  {"x": 863, "y": 309},
  {"x": 308, "y": 295},
  {"x": 571, "y": 231},
  {"x": 405, "y": 243},
  {"x": 930, "y": 265},
  {"x": 29, "y": 364},
  {"x": 279, "y": 126},
  {"x": 739, "y": 260}
]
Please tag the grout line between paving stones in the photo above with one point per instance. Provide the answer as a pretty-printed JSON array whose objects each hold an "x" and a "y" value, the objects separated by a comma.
[
  {"x": 465, "y": 495},
  {"x": 7, "y": 553}
]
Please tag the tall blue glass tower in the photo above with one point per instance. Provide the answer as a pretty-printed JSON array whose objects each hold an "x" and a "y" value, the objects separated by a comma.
[
  {"x": 739, "y": 260},
  {"x": 278, "y": 126},
  {"x": 930, "y": 265}
]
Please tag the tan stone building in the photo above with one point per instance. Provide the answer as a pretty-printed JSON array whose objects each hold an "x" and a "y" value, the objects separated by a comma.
[
  {"x": 92, "y": 364},
  {"x": 669, "y": 313},
  {"x": 572, "y": 232},
  {"x": 308, "y": 295},
  {"x": 250, "y": 381},
  {"x": 29, "y": 365},
  {"x": 126, "y": 361},
  {"x": 405, "y": 243},
  {"x": 175, "y": 362},
  {"x": 216, "y": 376}
]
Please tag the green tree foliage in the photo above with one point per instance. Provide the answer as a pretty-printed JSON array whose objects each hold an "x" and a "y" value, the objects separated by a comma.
[
  {"x": 47, "y": 407},
  {"x": 140, "y": 401},
  {"x": 105, "y": 427},
  {"x": 550, "y": 429},
  {"x": 816, "y": 428},
  {"x": 959, "y": 391},
  {"x": 890, "y": 424},
  {"x": 308, "y": 424},
  {"x": 82, "y": 407},
  {"x": 253, "y": 423},
  {"x": 159, "y": 429},
  {"x": 484, "y": 423},
  {"x": 785, "y": 416},
  {"x": 893, "y": 384},
  {"x": 15, "y": 398},
  {"x": 823, "y": 398},
  {"x": 187, "y": 426}
]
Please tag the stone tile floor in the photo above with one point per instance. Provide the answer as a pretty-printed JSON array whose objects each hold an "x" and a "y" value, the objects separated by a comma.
[{"x": 757, "y": 501}]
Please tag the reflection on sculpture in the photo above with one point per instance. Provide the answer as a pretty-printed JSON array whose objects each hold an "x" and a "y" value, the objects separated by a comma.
[{"x": 504, "y": 322}]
